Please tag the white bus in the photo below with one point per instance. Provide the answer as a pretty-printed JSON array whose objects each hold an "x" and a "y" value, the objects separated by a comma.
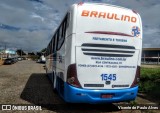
[{"x": 94, "y": 55}]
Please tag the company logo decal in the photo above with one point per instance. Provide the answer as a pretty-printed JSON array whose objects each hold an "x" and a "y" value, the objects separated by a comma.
[
  {"x": 135, "y": 31},
  {"x": 107, "y": 15}
]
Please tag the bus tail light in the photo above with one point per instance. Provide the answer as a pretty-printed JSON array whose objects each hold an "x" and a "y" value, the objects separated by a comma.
[
  {"x": 137, "y": 77},
  {"x": 72, "y": 76}
]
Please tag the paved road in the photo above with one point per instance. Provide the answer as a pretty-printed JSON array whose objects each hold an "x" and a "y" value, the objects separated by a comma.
[{"x": 26, "y": 83}]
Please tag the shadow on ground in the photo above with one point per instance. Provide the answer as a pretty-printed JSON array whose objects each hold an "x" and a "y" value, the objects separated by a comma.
[{"x": 38, "y": 91}]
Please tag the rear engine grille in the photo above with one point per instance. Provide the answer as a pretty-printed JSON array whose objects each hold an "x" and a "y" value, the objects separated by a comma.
[{"x": 108, "y": 50}]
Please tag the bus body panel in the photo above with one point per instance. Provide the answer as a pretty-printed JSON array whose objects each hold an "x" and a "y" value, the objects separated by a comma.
[
  {"x": 106, "y": 18},
  {"x": 94, "y": 71},
  {"x": 78, "y": 95},
  {"x": 70, "y": 53},
  {"x": 60, "y": 63},
  {"x": 103, "y": 39},
  {"x": 65, "y": 55}
]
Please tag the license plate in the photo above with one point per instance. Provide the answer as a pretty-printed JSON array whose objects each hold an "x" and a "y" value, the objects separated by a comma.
[{"x": 106, "y": 95}]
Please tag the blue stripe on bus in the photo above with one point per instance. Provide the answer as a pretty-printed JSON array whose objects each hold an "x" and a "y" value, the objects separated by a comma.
[{"x": 78, "y": 95}]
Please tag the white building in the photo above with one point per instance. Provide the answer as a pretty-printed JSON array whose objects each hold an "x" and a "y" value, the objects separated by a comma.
[{"x": 8, "y": 53}]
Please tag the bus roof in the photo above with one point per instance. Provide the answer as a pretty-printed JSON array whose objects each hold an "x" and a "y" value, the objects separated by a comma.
[{"x": 104, "y": 4}]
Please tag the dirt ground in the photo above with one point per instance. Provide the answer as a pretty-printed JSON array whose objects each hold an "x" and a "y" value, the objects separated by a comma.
[
  {"x": 25, "y": 83},
  {"x": 1, "y": 62}
]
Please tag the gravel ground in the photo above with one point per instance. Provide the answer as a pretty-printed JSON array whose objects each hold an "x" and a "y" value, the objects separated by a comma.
[{"x": 25, "y": 82}]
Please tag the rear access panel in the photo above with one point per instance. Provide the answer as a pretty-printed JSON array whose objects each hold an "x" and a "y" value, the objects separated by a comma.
[{"x": 106, "y": 68}]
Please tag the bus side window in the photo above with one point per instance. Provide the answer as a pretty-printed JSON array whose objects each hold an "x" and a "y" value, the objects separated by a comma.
[
  {"x": 47, "y": 52},
  {"x": 57, "y": 38},
  {"x": 53, "y": 44},
  {"x": 60, "y": 37},
  {"x": 50, "y": 48},
  {"x": 62, "y": 33},
  {"x": 64, "y": 27},
  {"x": 68, "y": 19},
  {"x": 60, "y": 41}
]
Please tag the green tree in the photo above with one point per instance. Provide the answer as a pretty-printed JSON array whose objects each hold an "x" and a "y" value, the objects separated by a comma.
[{"x": 20, "y": 52}]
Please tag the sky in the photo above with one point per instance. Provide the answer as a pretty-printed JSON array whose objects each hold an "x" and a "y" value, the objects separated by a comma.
[{"x": 30, "y": 24}]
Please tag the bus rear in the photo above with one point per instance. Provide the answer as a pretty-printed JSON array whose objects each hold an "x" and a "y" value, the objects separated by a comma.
[{"x": 108, "y": 44}]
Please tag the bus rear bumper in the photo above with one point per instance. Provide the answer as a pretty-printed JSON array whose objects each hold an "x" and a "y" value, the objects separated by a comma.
[{"x": 78, "y": 95}]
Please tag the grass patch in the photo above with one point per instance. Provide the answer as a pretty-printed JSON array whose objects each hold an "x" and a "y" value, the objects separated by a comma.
[
  {"x": 150, "y": 74},
  {"x": 150, "y": 82}
]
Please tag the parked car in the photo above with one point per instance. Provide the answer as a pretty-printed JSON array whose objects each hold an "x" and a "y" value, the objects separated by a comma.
[
  {"x": 8, "y": 61},
  {"x": 23, "y": 58},
  {"x": 38, "y": 61},
  {"x": 15, "y": 59},
  {"x": 19, "y": 58},
  {"x": 42, "y": 60}
]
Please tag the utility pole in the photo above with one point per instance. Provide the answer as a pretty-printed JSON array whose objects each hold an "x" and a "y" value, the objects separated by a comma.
[
  {"x": 1, "y": 53},
  {"x": 144, "y": 58},
  {"x": 158, "y": 58},
  {"x": 5, "y": 47},
  {"x": 21, "y": 52}
]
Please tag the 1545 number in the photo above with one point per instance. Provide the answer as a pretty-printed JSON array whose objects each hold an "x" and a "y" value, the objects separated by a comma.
[{"x": 108, "y": 77}]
